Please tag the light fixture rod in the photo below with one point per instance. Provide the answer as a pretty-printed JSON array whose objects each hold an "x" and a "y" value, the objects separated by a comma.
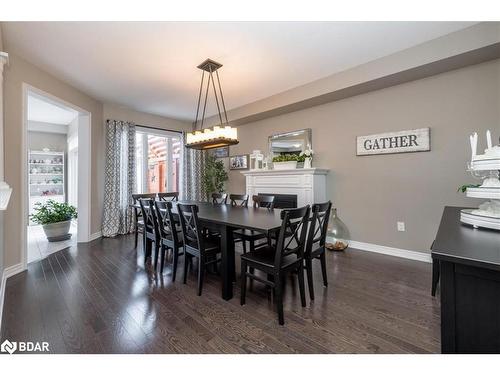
[
  {"x": 199, "y": 99},
  {"x": 205, "y": 104},
  {"x": 222, "y": 97},
  {"x": 216, "y": 99}
]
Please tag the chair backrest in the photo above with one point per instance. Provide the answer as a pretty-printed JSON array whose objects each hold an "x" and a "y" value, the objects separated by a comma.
[
  {"x": 219, "y": 198},
  {"x": 239, "y": 200},
  {"x": 149, "y": 216},
  {"x": 318, "y": 226},
  {"x": 265, "y": 201},
  {"x": 166, "y": 221},
  {"x": 171, "y": 196},
  {"x": 135, "y": 199},
  {"x": 191, "y": 230},
  {"x": 292, "y": 234}
]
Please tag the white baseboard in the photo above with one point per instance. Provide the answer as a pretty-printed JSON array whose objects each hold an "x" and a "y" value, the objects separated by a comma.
[
  {"x": 95, "y": 236},
  {"x": 7, "y": 272},
  {"x": 392, "y": 251}
]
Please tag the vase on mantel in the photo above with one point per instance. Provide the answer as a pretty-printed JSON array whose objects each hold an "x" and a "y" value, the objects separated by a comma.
[
  {"x": 338, "y": 234},
  {"x": 307, "y": 163}
]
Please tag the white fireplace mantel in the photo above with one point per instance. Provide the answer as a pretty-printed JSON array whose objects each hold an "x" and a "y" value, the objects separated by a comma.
[{"x": 308, "y": 184}]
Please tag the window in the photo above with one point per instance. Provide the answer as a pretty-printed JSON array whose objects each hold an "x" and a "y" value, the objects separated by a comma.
[{"x": 158, "y": 161}]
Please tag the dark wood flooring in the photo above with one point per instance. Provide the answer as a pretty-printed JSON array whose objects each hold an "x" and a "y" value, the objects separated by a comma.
[{"x": 99, "y": 298}]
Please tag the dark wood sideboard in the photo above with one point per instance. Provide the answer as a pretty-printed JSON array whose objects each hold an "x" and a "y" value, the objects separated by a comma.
[{"x": 469, "y": 264}]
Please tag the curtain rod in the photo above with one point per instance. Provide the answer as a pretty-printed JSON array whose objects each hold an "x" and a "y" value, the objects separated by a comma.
[{"x": 152, "y": 127}]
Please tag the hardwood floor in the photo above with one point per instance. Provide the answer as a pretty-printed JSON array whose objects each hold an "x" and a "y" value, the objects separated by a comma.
[{"x": 99, "y": 298}]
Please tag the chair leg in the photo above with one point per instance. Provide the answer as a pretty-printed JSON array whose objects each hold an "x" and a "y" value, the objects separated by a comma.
[
  {"x": 323, "y": 268},
  {"x": 310, "y": 282},
  {"x": 279, "y": 300},
  {"x": 244, "y": 244},
  {"x": 252, "y": 248},
  {"x": 435, "y": 276},
  {"x": 187, "y": 259},
  {"x": 302, "y": 289},
  {"x": 157, "y": 253},
  {"x": 201, "y": 272},
  {"x": 163, "y": 250},
  {"x": 136, "y": 235},
  {"x": 175, "y": 260},
  {"x": 243, "y": 282}
]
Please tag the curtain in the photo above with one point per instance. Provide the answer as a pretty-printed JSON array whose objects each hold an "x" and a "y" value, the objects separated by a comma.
[
  {"x": 193, "y": 162},
  {"x": 120, "y": 178}
]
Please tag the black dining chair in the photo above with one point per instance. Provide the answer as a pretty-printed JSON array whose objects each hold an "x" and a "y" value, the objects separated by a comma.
[
  {"x": 171, "y": 196},
  {"x": 240, "y": 200},
  {"x": 251, "y": 236},
  {"x": 151, "y": 235},
  {"x": 170, "y": 235},
  {"x": 316, "y": 240},
  {"x": 139, "y": 222},
  {"x": 197, "y": 245},
  {"x": 280, "y": 260},
  {"x": 219, "y": 198}
]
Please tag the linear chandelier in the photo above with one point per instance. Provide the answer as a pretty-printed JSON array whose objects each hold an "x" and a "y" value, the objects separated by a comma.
[{"x": 218, "y": 136}]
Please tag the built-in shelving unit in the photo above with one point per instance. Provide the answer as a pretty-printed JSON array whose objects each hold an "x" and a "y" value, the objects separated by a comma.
[{"x": 46, "y": 173}]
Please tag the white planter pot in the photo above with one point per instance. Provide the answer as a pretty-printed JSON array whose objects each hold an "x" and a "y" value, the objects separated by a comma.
[
  {"x": 285, "y": 165},
  {"x": 57, "y": 231}
]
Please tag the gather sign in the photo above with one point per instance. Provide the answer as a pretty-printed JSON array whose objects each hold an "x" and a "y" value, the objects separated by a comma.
[{"x": 395, "y": 142}]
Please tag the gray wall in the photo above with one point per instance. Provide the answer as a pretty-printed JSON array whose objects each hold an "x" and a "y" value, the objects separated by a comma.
[{"x": 373, "y": 192}]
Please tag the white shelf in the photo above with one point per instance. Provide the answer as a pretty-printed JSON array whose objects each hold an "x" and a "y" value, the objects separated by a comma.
[
  {"x": 486, "y": 165},
  {"x": 47, "y": 174},
  {"x": 467, "y": 217},
  {"x": 483, "y": 192},
  {"x": 47, "y": 164},
  {"x": 61, "y": 184},
  {"x": 57, "y": 153}
]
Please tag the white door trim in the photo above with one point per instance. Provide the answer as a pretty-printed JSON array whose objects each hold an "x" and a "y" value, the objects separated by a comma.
[{"x": 84, "y": 171}]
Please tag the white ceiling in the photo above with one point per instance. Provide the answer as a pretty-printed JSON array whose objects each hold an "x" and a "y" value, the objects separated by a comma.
[
  {"x": 42, "y": 110},
  {"x": 151, "y": 66}
]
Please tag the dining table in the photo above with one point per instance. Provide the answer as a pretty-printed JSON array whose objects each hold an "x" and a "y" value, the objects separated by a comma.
[{"x": 225, "y": 218}]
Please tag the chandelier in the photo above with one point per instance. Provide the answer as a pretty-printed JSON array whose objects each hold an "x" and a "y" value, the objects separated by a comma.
[{"x": 217, "y": 136}]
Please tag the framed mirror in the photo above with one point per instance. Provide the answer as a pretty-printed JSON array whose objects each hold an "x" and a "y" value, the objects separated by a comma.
[{"x": 293, "y": 142}]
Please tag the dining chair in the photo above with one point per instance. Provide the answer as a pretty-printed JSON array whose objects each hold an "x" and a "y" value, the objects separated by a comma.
[
  {"x": 316, "y": 240},
  {"x": 239, "y": 200},
  {"x": 251, "y": 236},
  {"x": 219, "y": 198},
  {"x": 139, "y": 223},
  {"x": 203, "y": 247},
  {"x": 151, "y": 235},
  {"x": 280, "y": 260},
  {"x": 170, "y": 235},
  {"x": 171, "y": 196}
]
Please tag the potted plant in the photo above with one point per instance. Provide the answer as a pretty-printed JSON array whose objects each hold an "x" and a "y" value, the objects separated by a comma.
[
  {"x": 55, "y": 219},
  {"x": 214, "y": 176},
  {"x": 287, "y": 161},
  {"x": 307, "y": 155}
]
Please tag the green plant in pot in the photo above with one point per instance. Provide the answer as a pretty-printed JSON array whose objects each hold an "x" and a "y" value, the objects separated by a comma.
[
  {"x": 214, "y": 176},
  {"x": 55, "y": 219}
]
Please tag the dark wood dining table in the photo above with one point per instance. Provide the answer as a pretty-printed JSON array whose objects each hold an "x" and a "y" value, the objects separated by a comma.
[{"x": 224, "y": 218}]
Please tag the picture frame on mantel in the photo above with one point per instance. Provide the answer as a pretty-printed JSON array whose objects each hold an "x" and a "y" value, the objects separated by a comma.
[{"x": 239, "y": 162}]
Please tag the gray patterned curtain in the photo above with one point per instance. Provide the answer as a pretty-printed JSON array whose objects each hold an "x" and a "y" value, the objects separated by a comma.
[
  {"x": 120, "y": 178},
  {"x": 193, "y": 162}
]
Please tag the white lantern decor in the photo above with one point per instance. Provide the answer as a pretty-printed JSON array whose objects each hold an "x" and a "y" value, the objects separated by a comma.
[{"x": 256, "y": 160}]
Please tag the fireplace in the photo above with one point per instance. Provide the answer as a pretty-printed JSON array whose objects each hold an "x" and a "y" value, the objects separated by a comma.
[{"x": 283, "y": 200}]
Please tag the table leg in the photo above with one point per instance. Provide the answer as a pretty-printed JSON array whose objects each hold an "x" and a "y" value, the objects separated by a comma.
[{"x": 227, "y": 266}]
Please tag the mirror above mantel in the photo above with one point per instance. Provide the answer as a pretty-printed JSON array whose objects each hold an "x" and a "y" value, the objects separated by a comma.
[{"x": 293, "y": 142}]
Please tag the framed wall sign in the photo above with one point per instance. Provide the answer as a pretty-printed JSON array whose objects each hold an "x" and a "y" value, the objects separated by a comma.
[
  {"x": 238, "y": 162},
  {"x": 395, "y": 142},
  {"x": 221, "y": 152}
]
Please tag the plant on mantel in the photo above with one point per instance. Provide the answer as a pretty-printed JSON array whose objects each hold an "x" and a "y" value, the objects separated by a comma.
[
  {"x": 289, "y": 157},
  {"x": 214, "y": 176}
]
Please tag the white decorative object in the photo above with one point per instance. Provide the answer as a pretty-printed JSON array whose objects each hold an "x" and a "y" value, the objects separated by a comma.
[
  {"x": 394, "y": 142},
  {"x": 283, "y": 165},
  {"x": 486, "y": 167},
  {"x": 308, "y": 153},
  {"x": 5, "y": 192},
  {"x": 256, "y": 160},
  {"x": 309, "y": 185}
]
